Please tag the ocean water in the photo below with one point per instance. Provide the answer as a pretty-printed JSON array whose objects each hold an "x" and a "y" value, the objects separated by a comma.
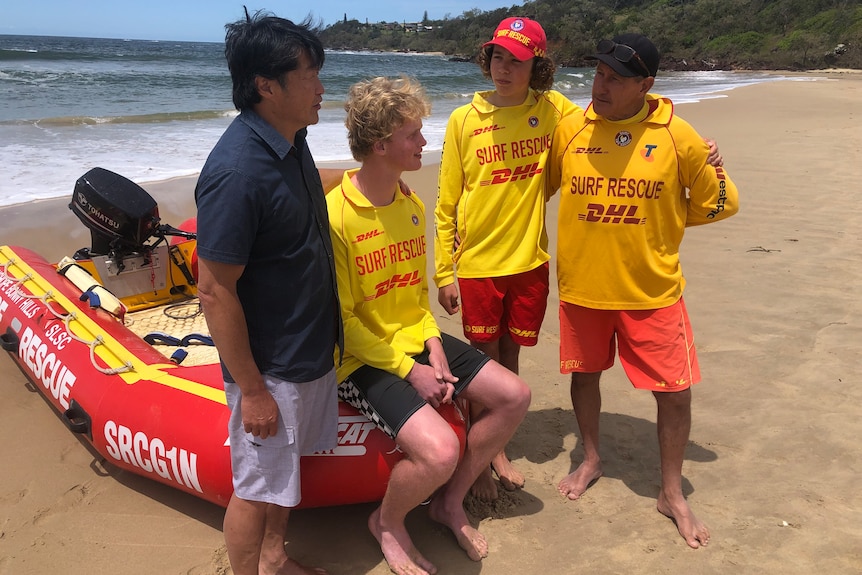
[{"x": 153, "y": 110}]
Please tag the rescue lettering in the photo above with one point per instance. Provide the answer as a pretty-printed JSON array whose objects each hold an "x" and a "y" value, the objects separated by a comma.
[
  {"x": 586, "y": 185},
  {"x": 488, "y": 154},
  {"x": 632, "y": 188},
  {"x": 616, "y": 187},
  {"x": 151, "y": 455},
  {"x": 570, "y": 364},
  {"x": 407, "y": 250},
  {"x": 371, "y": 262},
  {"x": 530, "y": 146},
  {"x": 481, "y": 329},
  {"x": 46, "y": 367},
  {"x": 395, "y": 252}
]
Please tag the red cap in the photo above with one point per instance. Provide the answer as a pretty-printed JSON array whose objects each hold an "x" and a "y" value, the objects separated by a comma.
[{"x": 523, "y": 37}]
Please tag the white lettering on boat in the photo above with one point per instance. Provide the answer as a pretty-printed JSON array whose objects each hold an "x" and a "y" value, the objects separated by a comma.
[
  {"x": 46, "y": 367},
  {"x": 352, "y": 433},
  {"x": 25, "y": 303},
  {"x": 151, "y": 455}
]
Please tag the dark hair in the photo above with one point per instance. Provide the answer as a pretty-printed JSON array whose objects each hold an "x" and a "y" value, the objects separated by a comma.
[
  {"x": 268, "y": 46},
  {"x": 541, "y": 79}
]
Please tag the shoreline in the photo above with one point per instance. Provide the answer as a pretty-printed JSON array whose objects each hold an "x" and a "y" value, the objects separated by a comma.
[
  {"x": 26, "y": 184},
  {"x": 773, "y": 298}
]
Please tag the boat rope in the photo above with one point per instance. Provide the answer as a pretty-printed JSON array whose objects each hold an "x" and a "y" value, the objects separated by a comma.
[
  {"x": 18, "y": 282},
  {"x": 66, "y": 317}
]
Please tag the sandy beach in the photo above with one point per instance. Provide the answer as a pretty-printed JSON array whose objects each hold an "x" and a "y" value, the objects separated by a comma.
[{"x": 774, "y": 463}]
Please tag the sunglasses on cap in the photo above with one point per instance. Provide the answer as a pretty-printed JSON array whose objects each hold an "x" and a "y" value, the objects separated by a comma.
[{"x": 622, "y": 53}]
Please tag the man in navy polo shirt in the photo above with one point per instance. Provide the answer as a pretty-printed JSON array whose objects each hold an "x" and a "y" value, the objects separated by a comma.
[{"x": 267, "y": 283}]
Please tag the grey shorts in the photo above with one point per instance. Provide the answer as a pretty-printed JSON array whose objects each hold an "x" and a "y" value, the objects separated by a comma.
[
  {"x": 389, "y": 401},
  {"x": 267, "y": 470}
]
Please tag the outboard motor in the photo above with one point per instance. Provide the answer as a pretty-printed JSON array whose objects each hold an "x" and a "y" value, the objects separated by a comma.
[
  {"x": 120, "y": 215},
  {"x": 123, "y": 220}
]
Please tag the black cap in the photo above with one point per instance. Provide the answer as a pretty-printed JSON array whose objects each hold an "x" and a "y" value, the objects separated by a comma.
[{"x": 644, "y": 48}]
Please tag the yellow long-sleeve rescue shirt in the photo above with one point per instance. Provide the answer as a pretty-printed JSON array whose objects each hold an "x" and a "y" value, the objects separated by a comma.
[
  {"x": 628, "y": 190},
  {"x": 491, "y": 187},
  {"x": 380, "y": 265}
]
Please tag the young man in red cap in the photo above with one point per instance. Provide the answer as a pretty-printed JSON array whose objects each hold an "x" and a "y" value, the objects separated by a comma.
[
  {"x": 622, "y": 216},
  {"x": 492, "y": 197}
]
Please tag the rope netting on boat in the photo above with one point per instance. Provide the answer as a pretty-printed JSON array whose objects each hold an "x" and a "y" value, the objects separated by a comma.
[{"x": 51, "y": 303}]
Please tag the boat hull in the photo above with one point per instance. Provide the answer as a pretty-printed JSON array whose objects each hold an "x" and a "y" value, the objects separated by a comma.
[{"x": 150, "y": 416}]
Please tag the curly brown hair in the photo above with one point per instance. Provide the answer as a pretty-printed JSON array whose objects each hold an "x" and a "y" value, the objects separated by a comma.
[
  {"x": 379, "y": 106},
  {"x": 542, "y": 78}
]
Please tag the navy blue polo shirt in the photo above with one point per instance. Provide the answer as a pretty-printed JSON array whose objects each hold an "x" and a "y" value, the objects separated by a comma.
[{"x": 261, "y": 204}]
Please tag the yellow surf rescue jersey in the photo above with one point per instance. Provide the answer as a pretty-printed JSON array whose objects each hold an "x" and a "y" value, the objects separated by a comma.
[
  {"x": 627, "y": 191},
  {"x": 491, "y": 187},
  {"x": 380, "y": 266}
]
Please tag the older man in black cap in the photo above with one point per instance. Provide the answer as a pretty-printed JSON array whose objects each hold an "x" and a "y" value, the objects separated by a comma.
[{"x": 632, "y": 176}]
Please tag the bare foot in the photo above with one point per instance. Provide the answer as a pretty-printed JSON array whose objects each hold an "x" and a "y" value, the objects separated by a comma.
[
  {"x": 484, "y": 487},
  {"x": 455, "y": 518},
  {"x": 510, "y": 477},
  {"x": 695, "y": 532},
  {"x": 574, "y": 484},
  {"x": 398, "y": 550}
]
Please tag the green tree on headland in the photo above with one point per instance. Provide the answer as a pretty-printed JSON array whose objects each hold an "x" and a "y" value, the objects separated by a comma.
[{"x": 691, "y": 34}]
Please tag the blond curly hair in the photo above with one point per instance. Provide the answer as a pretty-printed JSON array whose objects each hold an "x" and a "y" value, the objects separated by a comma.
[{"x": 379, "y": 106}]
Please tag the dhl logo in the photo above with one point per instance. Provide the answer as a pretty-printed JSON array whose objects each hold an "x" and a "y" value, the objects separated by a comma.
[
  {"x": 530, "y": 333},
  {"x": 506, "y": 175},
  {"x": 368, "y": 235},
  {"x": 396, "y": 281},
  {"x": 582, "y": 150},
  {"x": 612, "y": 214},
  {"x": 485, "y": 130}
]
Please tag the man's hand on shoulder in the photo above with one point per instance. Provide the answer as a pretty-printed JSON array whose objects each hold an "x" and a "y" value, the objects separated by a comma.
[{"x": 714, "y": 159}]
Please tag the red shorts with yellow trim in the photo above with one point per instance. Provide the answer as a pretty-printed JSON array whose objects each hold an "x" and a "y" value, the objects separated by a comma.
[
  {"x": 515, "y": 303},
  {"x": 656, "y": 346}
]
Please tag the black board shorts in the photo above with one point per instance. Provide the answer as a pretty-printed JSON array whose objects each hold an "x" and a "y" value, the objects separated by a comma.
[{"x": 389, "y": 401}]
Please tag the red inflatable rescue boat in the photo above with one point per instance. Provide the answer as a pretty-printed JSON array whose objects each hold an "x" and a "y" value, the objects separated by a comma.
[{"x": 114, "y": 339}]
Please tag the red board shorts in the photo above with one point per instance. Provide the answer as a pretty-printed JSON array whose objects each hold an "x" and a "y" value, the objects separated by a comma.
[
  {"x": 656, "y": 346},
  {"x": 516, "y": 303}
]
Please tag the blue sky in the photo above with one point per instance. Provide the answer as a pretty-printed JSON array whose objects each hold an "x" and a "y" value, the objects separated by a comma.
[{"x": 204, "y": 20}]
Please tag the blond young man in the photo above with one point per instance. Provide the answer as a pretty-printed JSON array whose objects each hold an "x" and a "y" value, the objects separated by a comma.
[{"x": 398, "y": 367}]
